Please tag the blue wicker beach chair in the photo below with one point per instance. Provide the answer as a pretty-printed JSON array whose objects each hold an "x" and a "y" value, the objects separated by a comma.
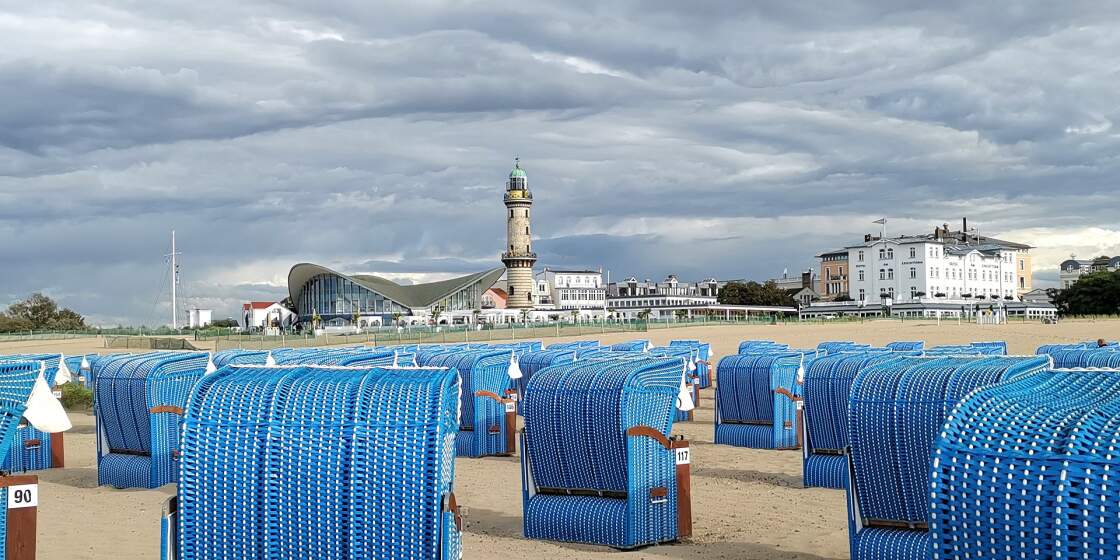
[
  {"x": 908, "y": 345},
  {"x": 532, "y": 362},
  {"x": 330, "y": 463},
  {"x": 974, "y": 348},
  {"x": 1026, "y": 470},
  {"x": 487, "y": 424},
  {"x": 754, "y": 346},
  {"x": 703, "y": 359},
  {"x": 139, "y": 401},
  {"x": 757, "y": 398},
  {"x": 631, "y": 346},
  {"x": 16, "y": 382},
  {"x": 33, "y": 449},
  {"x": 828, "y": 379},
  {"x": 574, "y": 345},
  {"x": 896, "y": 410},
  {"x": 598, "y": 464},
  {"x": 1077, "y": 355}
]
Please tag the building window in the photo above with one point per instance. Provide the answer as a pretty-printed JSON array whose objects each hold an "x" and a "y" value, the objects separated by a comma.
[
  {"x": 913, "y": 252},
  {"x": 862, "y": 295},
  {"x": 890, "y": 274},
  {"x": 882, "y": 254},
  {"x": 882, "y": 274},
  {"x": 1022, "y": 264},
  {"x": 913, "y": 273},
  {"x": 860, "y": 256},
  {"x": 861, "y": 275},
  {"x": 913, "y": 292},
  {"x": 890, "y": 254}
]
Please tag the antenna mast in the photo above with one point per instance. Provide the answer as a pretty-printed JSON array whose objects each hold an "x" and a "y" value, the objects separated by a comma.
[{"x": 174, "y": 283}]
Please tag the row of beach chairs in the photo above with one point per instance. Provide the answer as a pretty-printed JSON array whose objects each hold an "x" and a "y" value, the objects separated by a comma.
[{"x": 298, "y": 461}]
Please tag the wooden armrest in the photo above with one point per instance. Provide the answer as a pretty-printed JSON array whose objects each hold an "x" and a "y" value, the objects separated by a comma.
[
  {"x": 787, "y": 393},
  {"x": 166, "y": 408},
  {"x": 639, "y": 431},
  {"x": 32, "y": 443},
  {"x": 489, "y": 395}
]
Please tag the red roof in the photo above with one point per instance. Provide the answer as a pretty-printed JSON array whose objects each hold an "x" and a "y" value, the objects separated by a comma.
[{"x": 258, "y": 305}]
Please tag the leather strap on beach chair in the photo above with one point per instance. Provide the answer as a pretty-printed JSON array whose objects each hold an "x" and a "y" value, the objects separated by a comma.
[
  {"x": 683, "y": 458},
  {"x": 799, "y": 402},
  {"x": 510, "y": 407}
]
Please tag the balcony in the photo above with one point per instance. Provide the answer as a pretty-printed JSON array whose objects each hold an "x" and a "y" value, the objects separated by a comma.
[
  {"x": 518, "y": 195},
  {"x": 519, "y": 255}
]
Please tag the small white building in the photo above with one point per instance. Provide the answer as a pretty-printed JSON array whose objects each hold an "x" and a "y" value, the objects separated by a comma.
[
  {"x": 570, "y": 289},
  {"x": 198, "y": 318},
  {"x": 261, "y": 314}
]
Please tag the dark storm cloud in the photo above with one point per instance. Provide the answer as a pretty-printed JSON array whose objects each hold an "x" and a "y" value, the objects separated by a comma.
[{"x": 708, "y": 138}]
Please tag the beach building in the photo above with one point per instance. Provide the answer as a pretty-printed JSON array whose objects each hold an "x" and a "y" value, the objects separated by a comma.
[
  {"x": 1073, "y": 268},
  {"x": 570, "y": 289},
  {"x": 198, "y": 318},
  {"x": 833, "y": 274},
  {"x": 261, "y": 314},
  {"x": 934, "y": 274}
]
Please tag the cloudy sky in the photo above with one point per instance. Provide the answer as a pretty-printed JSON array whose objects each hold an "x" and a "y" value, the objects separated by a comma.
[{"x": 705, "y": 138}]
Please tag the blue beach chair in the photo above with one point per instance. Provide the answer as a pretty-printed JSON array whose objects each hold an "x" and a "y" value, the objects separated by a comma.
[
  {"x": 1023, "y": 470},
  {"x": 610, "y": 475},
  {"x": 139, "y": 401},
  {"x": 896, "y": 410},
  {"x": 297, "y": 462}
]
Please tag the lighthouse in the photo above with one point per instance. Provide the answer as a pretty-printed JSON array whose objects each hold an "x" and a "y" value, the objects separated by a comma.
[{"x": 519, "y": 256}]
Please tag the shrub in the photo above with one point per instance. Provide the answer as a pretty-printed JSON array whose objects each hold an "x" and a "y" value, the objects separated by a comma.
[{"x": 76, "y": 396}]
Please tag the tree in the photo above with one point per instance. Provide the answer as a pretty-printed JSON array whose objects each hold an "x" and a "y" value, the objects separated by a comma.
[
  {"x": 396, "y": 317},
  {"x": 525, "y": 315},
  {"x": 1093, "y": 294},
  {"x": 39, "y": 312},
  {"x": 224, "y": 323},
  {"x": 575, "y": 315},
  {"x": 476, "y": 313},
  {"x": 842, "y": 297},
  {"x": 644, "y": 314},
  {"x": 753, "y": 293},
  {"x": 681, "y": 314}
]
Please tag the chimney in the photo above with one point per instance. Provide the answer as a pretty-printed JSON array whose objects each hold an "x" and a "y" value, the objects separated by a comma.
[
  {"x": 867, "y": 238},
  {"x": 964, "y": 228}
]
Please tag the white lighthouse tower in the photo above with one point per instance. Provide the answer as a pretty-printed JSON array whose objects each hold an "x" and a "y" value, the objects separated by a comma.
[{"x": 519, "y": 256}]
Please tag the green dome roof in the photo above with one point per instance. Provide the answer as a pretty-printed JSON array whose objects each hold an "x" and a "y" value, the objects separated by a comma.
[{"x": 517, "y": 172}]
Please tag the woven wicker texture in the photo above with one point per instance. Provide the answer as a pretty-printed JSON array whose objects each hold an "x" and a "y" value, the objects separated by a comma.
[
  {"x": 1024, "y": 470},
  {"x": 631, "y": 346},
  {"x": 749, "y": 411},
  {"x": 748, "y": 346},
  {"x": 575, "y": 442},
  {"x": 482, "y": 426},
  {"x": 136, "y": 448},
  {"x": 319, "y": 462},
  {"x": 30, "y": 449},
  {"x": 704, "y": 355},
  {"x": 16, "y": 382},
  {"x": 896, "y": 410},
  {"x": 828, "y": 380}
]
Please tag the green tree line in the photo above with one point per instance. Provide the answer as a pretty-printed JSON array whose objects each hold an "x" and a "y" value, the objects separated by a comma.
[
  {"x": 1093, "y": 294},
  {"x": 753, "y": 293},
  {"x": 39, "y": 312}
]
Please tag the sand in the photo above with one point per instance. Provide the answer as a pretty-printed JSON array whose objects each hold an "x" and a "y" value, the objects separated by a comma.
[{"x": 746, "y": 503}]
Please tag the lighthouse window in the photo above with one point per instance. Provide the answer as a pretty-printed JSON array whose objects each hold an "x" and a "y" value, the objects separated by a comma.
[
  {"x": 511, "y": 212},
  {"x": 526, "y": 230}
]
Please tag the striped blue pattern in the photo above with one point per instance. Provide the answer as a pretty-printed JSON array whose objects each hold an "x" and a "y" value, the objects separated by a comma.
[
  {"x": 136, "y": 448},
  {"x": 482, "y": 426},
  {"x": 16, "y": 381},
  {"x": 319, "y": 462},
  {"x": 584, "y": 479},
  {"x": 828, "y": 379},
  {"x": 896, "y": 410},
  {"x": 749, "y": 411},
  {"x": 1025, "y": 469}
]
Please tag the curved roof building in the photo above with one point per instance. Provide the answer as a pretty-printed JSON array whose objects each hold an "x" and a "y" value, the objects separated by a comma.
[{"x": 336, "y": 297}]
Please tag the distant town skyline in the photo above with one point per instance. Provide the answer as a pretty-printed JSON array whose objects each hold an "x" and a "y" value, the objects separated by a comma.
[{"x": 728, "y": 139}]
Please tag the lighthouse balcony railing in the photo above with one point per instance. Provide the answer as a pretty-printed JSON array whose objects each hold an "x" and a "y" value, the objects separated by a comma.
[{"x": 518, "y": 255}]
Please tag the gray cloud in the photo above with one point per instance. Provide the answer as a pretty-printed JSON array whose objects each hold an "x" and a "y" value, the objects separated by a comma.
[{"x": 705, "y": 138}]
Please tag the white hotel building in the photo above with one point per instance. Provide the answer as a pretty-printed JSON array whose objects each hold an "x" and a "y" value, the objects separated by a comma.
[
  {"x": 907, "y": 268},
  {"x": 947, "y": 273}
]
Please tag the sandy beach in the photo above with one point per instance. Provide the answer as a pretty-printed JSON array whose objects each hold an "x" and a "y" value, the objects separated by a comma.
[{"x": 747, "y": 503}]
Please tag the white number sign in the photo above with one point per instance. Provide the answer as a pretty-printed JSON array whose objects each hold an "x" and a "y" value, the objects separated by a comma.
[
  {"x": 23, "y": 496},
  {"x": 510, "y": 407},
  {"x": 684, "y": 456}
]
